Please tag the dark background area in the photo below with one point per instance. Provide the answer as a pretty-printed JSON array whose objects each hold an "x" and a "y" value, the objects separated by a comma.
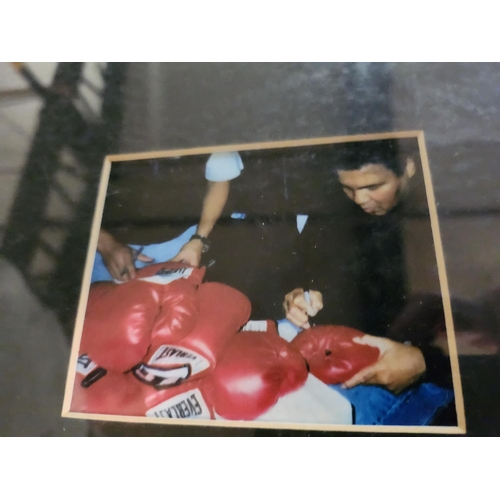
[
  {"x": 357, "y": 261},
  {"x": 165, "y": 106}
]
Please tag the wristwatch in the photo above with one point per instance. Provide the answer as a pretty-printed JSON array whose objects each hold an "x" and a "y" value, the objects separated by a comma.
[{"x": 205, "y": 241}]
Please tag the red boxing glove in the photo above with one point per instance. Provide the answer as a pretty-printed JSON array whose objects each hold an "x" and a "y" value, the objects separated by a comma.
[
  {"x": 257, "y": 368},
  {"x": 122, "y": 320},
  {"x": 179, "y": 302},
  {"x": 122, "y": 394},
  {"x": 107, "y": 393},
  {"x": 332, "y": 355},
  {"x": 222, "y": 311}
]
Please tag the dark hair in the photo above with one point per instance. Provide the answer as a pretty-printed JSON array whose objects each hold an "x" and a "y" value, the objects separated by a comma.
[{"x": 388, "y": 152}]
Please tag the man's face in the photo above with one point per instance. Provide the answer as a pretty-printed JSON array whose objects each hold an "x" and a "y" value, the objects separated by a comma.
[{"x": 373, "y": 187}]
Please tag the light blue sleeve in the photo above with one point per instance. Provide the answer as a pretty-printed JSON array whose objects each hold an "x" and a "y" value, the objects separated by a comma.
[
  {"x": 160, "y": 252},
  {"x": 223, "y": 166}
]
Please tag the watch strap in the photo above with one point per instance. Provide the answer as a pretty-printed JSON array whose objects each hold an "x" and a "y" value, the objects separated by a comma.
[{"x": 205, "y": 241}]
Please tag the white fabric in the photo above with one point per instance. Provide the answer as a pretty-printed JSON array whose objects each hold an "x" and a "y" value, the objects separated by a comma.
[
  {"x": 313, "y": 403},
  {"x": 223, "y": 166}
]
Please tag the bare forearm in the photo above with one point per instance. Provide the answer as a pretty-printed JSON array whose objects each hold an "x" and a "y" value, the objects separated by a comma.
[
  {"x": 105, "y": 241},
  {"x": 213, "y": 204}
]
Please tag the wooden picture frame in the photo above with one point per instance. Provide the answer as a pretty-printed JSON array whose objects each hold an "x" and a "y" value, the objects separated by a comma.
[{"x": 429, "y": 218}]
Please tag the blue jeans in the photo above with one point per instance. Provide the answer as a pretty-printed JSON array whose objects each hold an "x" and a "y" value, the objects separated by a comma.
[{"x": 375, "y": 405}]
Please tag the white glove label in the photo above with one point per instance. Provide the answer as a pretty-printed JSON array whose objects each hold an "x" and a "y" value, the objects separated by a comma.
[
  {"x": 161, "y": 379},
  {"x": 189, "y": 404},
  {"x": 85, "y": 365},
  {"x": 171, "y": 355},
  {"x": 166, "y": 276},
  {"x": 255, "y": 326}
]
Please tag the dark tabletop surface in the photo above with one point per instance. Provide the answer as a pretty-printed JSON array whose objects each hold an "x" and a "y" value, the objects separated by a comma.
[{"x": 163, "y": 106}]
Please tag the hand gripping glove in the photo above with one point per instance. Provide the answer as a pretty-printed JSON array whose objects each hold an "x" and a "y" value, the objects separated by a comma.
[
  {"x": 331, "y": 353},
  {"x": 257, "y": 368},
  {"x": 222, "y": 310},
  {"x": 122, "y": 320}
]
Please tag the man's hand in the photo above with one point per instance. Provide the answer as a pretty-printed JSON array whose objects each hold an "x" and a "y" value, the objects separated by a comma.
[
  {"x": 398, "y": 366},
  {"x": 298, "y": 310},
  {"x": 118, "y": 258},
  {"x": 190, "y": 253}
]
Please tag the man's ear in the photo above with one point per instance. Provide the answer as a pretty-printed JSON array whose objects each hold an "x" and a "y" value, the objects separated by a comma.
[{"x": 410, "y": 168}]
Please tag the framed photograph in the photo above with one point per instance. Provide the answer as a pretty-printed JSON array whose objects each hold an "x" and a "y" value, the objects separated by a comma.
[{"x": 297, "y": 284}]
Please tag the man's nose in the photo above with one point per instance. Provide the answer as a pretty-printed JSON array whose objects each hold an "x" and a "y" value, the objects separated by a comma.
[{"x": 361, "y": 196}]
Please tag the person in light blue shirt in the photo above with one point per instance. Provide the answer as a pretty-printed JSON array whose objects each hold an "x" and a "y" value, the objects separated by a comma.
[{"x": 118, "y": 262}]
